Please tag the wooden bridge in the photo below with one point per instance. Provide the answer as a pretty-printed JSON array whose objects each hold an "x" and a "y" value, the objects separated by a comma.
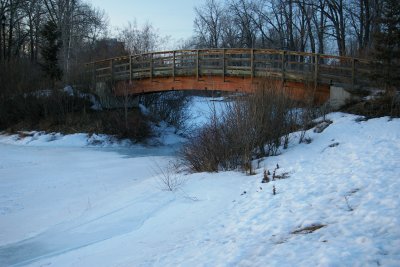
[{"x": 237, "y": 70}]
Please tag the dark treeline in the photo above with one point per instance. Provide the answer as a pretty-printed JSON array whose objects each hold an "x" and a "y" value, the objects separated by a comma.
[
  {"x": 43, "y": 47},
  {"x": 64, "y": 34},
  {"x": 44, "y": 43},
  {"x": 77, "y": 25},
  {"x": 343, "y": 27}
]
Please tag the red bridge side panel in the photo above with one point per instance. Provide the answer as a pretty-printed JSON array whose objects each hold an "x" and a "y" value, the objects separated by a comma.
[{"x": 298, "y": 91}]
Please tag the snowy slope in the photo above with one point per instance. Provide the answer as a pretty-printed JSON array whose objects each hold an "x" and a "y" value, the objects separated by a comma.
[{"x": 79, "y": 206}]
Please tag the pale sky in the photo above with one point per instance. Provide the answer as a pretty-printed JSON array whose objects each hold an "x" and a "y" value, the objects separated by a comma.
[{"x": 170, "y": 17}]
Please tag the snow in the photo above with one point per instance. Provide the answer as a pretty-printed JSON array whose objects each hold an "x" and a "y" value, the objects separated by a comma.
[
  {"x": 66, "y": 202},
  {"x": 202, "y": 107},
  {"x": 40, "y": 139}
]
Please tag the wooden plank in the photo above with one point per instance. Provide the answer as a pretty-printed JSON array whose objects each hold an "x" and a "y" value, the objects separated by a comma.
[
  {"x": 353, "y": 73},
  {"x": 283, "y": 65},
  {"x": 103, "y": 75},
  {"x": 121, "y": 65},
  {"x": 141, "y": 69},
  {"x": 223, "y": 65},
  {"x": 240, "y": 59},
  {"x": 316, "y": 69},
  {"x": 130, "y": 69},
  {"x": 173, "y": 67},
  {"x": 151, "y": 67},
  {"x": 112, "y": 70},
  {"x": 169, "y": 68},
  {"x": 238, "y": 68},
  {"x": 185, "y": 72},
  {"x": 101, "y": 69},
  {"x": 252, "y": 65}
]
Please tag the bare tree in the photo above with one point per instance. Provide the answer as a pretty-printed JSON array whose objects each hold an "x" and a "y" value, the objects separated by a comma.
[
  {"x": 363, "y": 19},
  {"x": 208, "y": 24},
  {"x": 141, "y": 39},
  {"x": 35, "y": 12},
  {"x": 320, "y": 22},
  {"x": 336, "y": 15},
  {"x": 302, "y": 25},
  {"x": 75, "y": 20},
  {"x": 243, "y": 16}
]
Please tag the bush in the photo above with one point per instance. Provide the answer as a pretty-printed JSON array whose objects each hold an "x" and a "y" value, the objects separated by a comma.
[
  {"x": 387, "y": 104},
  {"x": 31, "y": 108},
  {"x": 133, "y": 126},
  {"x": 249, "y": 126},
  {"x": 168, "y": 178},
  {"x": 171, "y": 107},
  {"x": 24, "y": 105},
  {"x": 18, "y": 77}
]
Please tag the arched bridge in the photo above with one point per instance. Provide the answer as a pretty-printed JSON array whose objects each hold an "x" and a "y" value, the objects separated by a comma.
[{"x": 229, "y": 70}]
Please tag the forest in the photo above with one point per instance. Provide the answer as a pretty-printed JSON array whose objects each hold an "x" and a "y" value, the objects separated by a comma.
[
  {"x": 44, "y": 44},
  {"x": 81, "y": 32},
  {"x": 318, "y": 26}
]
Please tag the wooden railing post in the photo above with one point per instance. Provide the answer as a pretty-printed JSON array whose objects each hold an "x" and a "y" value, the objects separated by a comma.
[
  {"x": 173, "y": 66},
  {"x": 283, "y": 65},
  {"x": 130, "y": 68},
  {"x": 112, "y": 71},
  {"x": 252, "y": 65},
  {"x": 151, "y": 67},
  {"x": 353, "y": 72},
  {"x": 94, "y": 76},
  {"x": 197, "y": 64},
  {"x": 223, "y": 64},
  {"x": 316, "y": 69}
]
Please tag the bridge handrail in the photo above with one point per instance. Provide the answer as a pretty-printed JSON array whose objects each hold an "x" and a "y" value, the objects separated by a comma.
[
  {"x": 282, "y": 64},
  {"x": 277, "y": 51}
]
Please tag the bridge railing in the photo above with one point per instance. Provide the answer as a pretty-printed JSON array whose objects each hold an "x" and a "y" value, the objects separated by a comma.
[{"x": 246, "y": 63}]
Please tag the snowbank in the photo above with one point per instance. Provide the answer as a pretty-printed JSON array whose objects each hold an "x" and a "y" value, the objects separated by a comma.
[
  {"x": 42, "y": 139},
  {"x": 339, "y": 206}
]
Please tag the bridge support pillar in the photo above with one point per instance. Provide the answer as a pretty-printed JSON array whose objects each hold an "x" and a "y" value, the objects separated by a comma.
[{"x": 339, "y": 97}]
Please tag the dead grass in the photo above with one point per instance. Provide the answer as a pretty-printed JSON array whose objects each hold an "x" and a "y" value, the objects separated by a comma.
[
  {"x": 308, "y": 229},
  {"x": 386, "y": 105}
]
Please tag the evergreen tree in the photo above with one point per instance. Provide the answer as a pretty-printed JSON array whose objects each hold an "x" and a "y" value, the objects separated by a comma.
[
  {"x": 51, "y": 46},
  {"x": 387, "y": 46}
]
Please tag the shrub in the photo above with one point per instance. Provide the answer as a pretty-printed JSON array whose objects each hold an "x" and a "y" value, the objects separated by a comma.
[
  {"x": 132, "y": 125},
  {"x": 168, "y": 178},
  {"x": 18, "y": 77},
  {"x": 171, "y": 107},
  {"x": 31, "y": 108},
  {"x": 248, "y": 126},
  {"x": 387, "y": 104}
]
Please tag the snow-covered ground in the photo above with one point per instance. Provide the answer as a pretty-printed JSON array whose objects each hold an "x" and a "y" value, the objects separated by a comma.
[{"x": 69, "y": 204}]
